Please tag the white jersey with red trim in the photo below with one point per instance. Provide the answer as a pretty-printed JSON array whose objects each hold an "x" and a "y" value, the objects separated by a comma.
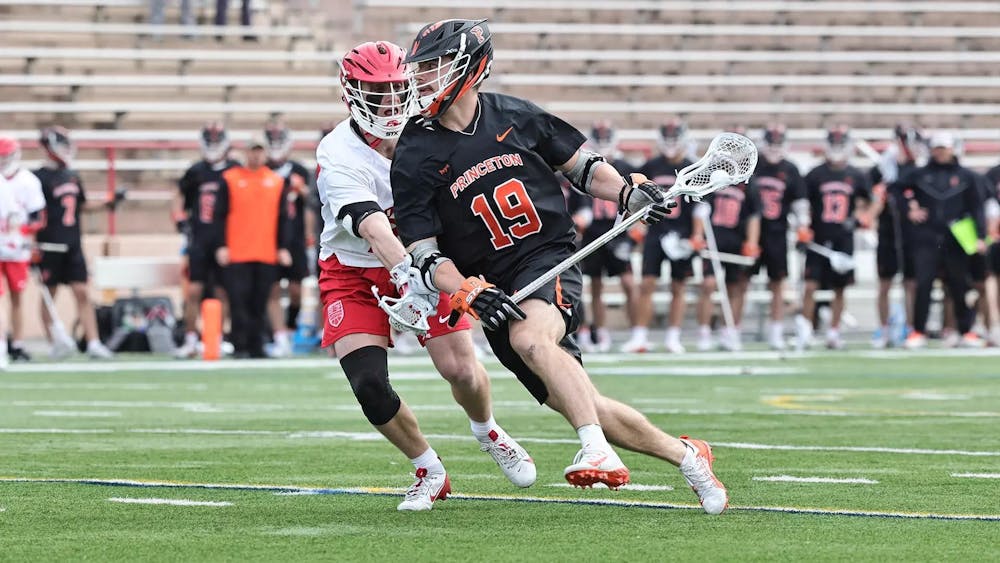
[
  {"x": 20, "y": 196},
  {"x": 350, "y": 172}
]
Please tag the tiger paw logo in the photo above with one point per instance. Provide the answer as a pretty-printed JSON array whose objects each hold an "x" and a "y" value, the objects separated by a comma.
[{"x": 477, "y": 31}]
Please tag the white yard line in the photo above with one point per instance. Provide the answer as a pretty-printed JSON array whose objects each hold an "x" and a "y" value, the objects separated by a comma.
[
  {"x": 55, "y": 431},
  {"x": 865, "y": 449},
  {"x": 169, "y": 501},
  {"x": 977, "y": 475},
  {"x": 186, "y": 406},
  {"x": 830, "y": 480},
  {"x": 512, "y": 498},
  {"x": 78, "y": 414}
]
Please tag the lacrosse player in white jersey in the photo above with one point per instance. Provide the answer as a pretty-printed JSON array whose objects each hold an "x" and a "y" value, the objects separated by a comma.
[
  {"x": 360, "y": 253},
  {"x": 21, "y": 206}
]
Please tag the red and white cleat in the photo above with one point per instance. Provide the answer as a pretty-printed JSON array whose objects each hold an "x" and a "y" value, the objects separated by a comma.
[
  {"x": 428, "y": 488},
  {"x": 697, "y": 470},
  {"x": 592, "y": 466},
  {"x": 513, "y": 460}
]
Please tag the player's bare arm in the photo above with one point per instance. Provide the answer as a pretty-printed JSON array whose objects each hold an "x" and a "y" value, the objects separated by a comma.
[
  {"x": 377, "y": 232},
  {"x": 590, "y": 173}
]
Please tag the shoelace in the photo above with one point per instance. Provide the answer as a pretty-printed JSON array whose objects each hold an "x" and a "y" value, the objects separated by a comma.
[
  {"x": 418, "y": 488},
  {"x": 701, "y": 477},
  {"x": 505, "y": 455}
]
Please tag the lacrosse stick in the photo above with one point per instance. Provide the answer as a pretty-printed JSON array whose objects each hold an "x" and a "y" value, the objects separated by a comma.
[
  {"x": 730, "y": 159},
  {"x": 729, "y": 258},
  {"x": 720, "y": 274},
  {"x": 841, "y": 262},
  {"x": 407, "y": 313},
  {"x": 60, "y": 337}
]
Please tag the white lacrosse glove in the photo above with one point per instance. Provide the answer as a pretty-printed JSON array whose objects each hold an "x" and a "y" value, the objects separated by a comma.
[
  {"x": 409, "y": 311},
  {"x": 638, "y": 193}
]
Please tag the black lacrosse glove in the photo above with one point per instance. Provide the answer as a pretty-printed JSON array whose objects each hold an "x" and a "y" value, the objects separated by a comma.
[
  {"x": 634, "y": 197},
  {"x": 485, "y": 302},
  {"x": 120, "y": 194}
]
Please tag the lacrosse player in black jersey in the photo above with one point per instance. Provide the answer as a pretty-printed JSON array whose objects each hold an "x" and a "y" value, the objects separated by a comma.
[
  {"x": 476, "y": 195},
  {"x": 595, "y": 216},
  {"x": 673, "y": 143},
  {"x": 839, "y": 195},
  {"x": 194, "y": 215},
  {"x": 782, "y": 194}
]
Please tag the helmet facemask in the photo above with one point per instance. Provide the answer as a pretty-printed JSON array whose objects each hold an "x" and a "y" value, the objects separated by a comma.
[
  {"x": 59, "y": 148},
  {"x": 214, "y": 144},
  {"x": 440, "y": 81},
  {"x": 379, "y": 108},
  {"x": 10, "y": 157},
  {"x": 279, "y": 143}
]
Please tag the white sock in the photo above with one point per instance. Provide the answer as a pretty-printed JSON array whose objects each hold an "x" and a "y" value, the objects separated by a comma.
[
  {"x": 93, "y": 344},
  {"x": 603, "y": 335},
  {"x": 833, "y": 334},
  {"x": 15, "y": 344},
  {"x": 704, "y": 331},
  {"x": 281, "y": 337},
  {"x": 639, "y": 333},
  {"x": 592, "y": 436},
  {"x": 429, "y": 461},
  {"x": 481, "y": 430},
  {"x": 191, "y": 337},
  {"x": 777, "y": 329},
  {"x": 673, "y": 334}
]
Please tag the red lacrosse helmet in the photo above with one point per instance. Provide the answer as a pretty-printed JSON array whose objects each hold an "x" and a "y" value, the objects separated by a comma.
[
  {"x": 10, "y": 156},
  {"x": 376, "y": 87}
]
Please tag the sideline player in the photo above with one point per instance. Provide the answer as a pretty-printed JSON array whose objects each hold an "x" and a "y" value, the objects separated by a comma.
[
  {"x": 194, "y": 212},
  {"x": 359, "y": 249},
  {"x": 20, "y": 217},
  {"x": 64, "y": 199},
  {"x": 839, "y": 195},
  {"x": 598, "y": 216},
  {"x": 662, "y": 169},
  {"x": 782, "y": 193},
  {"x": 475, "y": 175},
  {"x": 278, "y": 139}
]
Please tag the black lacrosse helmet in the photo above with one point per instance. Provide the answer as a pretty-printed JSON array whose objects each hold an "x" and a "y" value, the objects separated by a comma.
[
  {"x": 468, "y": 47},
  {"x": 213, "y": 141},
  {"x": 57, "y": 144}
]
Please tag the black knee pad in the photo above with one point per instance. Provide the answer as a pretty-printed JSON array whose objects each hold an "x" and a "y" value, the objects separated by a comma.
[{"x": 368, "y": 372}]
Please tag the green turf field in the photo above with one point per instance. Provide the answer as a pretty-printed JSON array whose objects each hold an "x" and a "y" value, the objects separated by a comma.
[{"x": 885, "y": 440}]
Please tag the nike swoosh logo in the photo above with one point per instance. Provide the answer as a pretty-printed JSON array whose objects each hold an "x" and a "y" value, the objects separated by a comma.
[
  {"x": 598, "y": 462},
  {"x": 443, "y": 320},
  {"x": 501, "y": 137}
]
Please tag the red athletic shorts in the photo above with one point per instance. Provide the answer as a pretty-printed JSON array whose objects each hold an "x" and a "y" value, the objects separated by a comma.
[
  {"x": 351, "y": 308},
  {"x": 16, "y": 274}
]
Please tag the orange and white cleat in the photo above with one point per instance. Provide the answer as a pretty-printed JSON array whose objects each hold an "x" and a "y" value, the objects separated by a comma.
[
  {"x": 697, "y": 470},
  {"x": 591, "y": 466},
  {"x": 428, "y": 488},
  {"x": 915, "y": 341}
]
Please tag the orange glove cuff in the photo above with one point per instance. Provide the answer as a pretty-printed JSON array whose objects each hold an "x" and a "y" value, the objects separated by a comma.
[
  {"x": 805, "y": 235},
  {"x": 461, "y": 300},
  {"x": 698, "y": 244}
]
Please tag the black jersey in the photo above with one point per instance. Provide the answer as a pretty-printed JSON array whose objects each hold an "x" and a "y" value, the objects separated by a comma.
[
  {"x": 776, "y": 186},
  {"x": 993, "y": 179},
  {"x": 833, "y": 193},
  {"x": 604, "y": 212},
  {"x": 732, "y": 208},
  {"x": 200, "y": 188},
  {"x": 297, "y": 193},
  {"x": 888, "y": 219},
  {"x": 948, "y": 192},
  {"x": 664, "y": 173},
  {"x": 64, "y": 197},
  {"x": 489, "y": 193}
]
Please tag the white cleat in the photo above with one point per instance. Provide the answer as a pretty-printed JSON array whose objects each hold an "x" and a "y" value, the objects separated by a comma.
[
  {"x": 674, "y": 346},
  {"x": 972, "y": 340},
  {"x": 697, "y": 470},
  {"x": 428, "y": 488},
  {"x": 592, "y": 465},
  {"x": 776, "y": 337},
  {"x": 187, "y": 350},
  {"x": 915, "y": 341},
  {"x": 583, "y": 339},
  {"x": 636, "y": 346},
  {"x": 603, "y": 340},
  {"x": 513, "y": 460},
  {"x": 98, "y": 351},
  {"x": 705, "y": 343},
  {"x": 731, "y": 340}
]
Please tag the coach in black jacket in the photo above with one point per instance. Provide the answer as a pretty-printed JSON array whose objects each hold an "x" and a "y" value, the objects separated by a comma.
[{"x": 933, "y": 197}]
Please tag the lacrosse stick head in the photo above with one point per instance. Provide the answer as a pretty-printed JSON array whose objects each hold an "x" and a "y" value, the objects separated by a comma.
[
  {"x": 730, "y": 159},
  {"x": 674, "y": 247},
  {"x": 841, "y": 262},
  {"x": 407, "y": 313}
]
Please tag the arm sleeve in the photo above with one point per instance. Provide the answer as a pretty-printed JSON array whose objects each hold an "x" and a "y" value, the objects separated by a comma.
[
  {"x": 415, "y": 211},
  {"x": 186, "y": 187},
  {"x": 975, "y": 198},
  {"x": 864, "y": 187},
  {"x": 285, "y": 226},
  {"x": 753, "y": 203},
  {"x": 219, "y": 214},
  {"x": 83, "y": 192},
  {"x": 557, "y": 141}
]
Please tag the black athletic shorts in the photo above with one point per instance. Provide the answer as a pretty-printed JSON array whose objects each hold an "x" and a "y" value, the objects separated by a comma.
[
  {"x": 64, "y": 267},
  {"x": 299, "y": 270},
  {"x": 773, "y": 255},
  {"x": 565, "y": 292},
  {"x": 202, "y": 267},
  {"x": 653, "y": 257},
  {"x": 993, "y": 258},
  {"x": 818, "y": 268},
  {"x": 977, "y": 268},
  {"x": 733, "y": 272},
  {"x": 887, "y": 256}
]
